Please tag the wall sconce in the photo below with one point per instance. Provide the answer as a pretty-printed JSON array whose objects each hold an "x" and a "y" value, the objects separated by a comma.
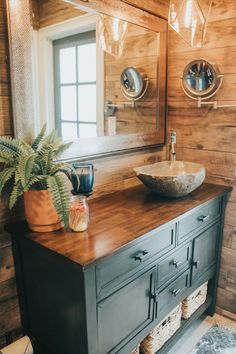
[
  {"x": 189, "y": 20},
  {"x": 111, "y": 34}
]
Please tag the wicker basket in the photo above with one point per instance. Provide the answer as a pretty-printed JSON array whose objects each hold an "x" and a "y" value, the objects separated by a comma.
[
  {"x": 136, "y": 350},
  {"x": 162, "y": 332},
  {"x": 194, "y": 301}
]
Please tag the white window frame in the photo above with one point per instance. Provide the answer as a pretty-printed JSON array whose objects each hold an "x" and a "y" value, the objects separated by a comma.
[{"x": 43, "y": 81}]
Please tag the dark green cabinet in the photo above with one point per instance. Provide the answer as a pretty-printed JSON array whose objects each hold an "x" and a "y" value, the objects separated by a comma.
[{"x": 110, "y": 305}]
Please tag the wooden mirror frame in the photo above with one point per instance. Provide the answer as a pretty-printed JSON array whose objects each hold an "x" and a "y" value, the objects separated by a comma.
[{"x": 107, "y": 145}]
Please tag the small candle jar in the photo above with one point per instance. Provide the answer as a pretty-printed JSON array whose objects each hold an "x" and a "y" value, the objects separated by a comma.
[{"x": 78, "y": 213}]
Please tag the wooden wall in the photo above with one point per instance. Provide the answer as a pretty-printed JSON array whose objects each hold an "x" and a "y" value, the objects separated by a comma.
[
  {"x": 49, "y": 12},
  {"x": 206, "y": 135},
  {"x": 9, "y": 314}
]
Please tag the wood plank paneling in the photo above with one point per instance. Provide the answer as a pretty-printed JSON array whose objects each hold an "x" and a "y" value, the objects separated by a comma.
[
  {"x": 207, "y": 135},
  {"x": 226, "y": 300},
  {"x": 156, "y": 7},
  {"x": 9, "y": 312},
  {"x": 63, "y": 11}
]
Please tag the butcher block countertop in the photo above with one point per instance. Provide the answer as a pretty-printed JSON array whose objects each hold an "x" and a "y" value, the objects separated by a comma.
[{"x": 116, "y": 220}]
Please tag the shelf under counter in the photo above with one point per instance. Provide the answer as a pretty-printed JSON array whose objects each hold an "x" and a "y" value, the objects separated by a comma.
[{"x": 185, "y": 324}]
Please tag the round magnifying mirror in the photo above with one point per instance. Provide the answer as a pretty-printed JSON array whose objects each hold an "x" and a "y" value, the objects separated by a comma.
[
  {"x": 201, "y": 79},
  {"x": 132, "y": 83}
]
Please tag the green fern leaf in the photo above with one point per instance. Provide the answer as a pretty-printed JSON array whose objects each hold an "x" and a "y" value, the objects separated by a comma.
[
  {"x": 15, "y": 194},
  {"x": 36, "y": 183},
  {"x": 7, "y": 158},
  {"x": 5, "y": 176},
  {"x": 45, "y": 159},
  {"x": 36, "y": 142},
  {"x": 60, "y": 167},
  {"x": 60, "y": 195},
  {"x": 10, "y": 145},
  {"x": 62, "y": 148},
  {"x": 24, "y": 169}
]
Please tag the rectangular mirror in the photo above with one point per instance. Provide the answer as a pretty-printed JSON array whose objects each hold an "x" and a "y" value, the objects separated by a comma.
[{"x": 100, "y": 80}]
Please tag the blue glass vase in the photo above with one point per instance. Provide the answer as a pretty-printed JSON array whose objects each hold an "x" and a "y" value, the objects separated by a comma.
[{"x": 85, "y": 172}]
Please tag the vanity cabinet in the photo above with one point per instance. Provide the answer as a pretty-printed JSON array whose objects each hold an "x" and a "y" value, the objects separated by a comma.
[{"x": 103, "y": 290}]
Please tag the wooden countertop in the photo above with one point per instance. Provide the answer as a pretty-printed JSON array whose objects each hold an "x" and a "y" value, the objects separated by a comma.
[{"x": 117, "y": 219}]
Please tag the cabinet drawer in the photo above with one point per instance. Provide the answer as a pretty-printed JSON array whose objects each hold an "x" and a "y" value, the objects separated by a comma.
[
  {"x": 173, "y": 264},
  {"x": 115, "y": 269},
  {"x": 173, "y": 294},
  {"x": 203, "y": 216}
]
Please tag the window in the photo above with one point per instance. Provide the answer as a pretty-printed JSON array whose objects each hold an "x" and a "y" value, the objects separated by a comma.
[{"x": 75, "y": 85}]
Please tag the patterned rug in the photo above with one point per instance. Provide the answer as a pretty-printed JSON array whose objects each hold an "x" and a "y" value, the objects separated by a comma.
[{"x": 219, "y": 339}]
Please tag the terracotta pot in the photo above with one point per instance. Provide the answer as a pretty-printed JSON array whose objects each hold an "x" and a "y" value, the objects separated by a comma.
[{"x": 40, "y": 212}]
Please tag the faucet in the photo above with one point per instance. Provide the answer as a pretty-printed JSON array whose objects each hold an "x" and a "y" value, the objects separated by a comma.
[{"x": 172, "y": 145}]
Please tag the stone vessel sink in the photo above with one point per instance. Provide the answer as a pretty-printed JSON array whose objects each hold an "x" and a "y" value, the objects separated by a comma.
[{"x": 172, "y": 178}]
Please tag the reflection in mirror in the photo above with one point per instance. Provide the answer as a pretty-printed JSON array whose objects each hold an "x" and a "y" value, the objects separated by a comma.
[
  {"x": 87, "y": 99},
  {"x": 201, "y": 79},
  {"x": 134, "y": 86},
  {"x": 61, "y": 75}
]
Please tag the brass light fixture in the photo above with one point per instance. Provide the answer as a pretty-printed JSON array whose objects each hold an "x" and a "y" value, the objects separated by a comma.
[{"x": 189, "y": 19}]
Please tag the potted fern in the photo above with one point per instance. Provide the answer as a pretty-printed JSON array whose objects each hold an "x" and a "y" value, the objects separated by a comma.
[{"x": 32, "y": 170}]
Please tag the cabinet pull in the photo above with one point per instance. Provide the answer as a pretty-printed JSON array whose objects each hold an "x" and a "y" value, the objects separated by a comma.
[
  {"x": 176, "y": 264},
  {"x": 141, "y": 256},
  {"x": 196, "y": 263},
  {"x": 154, "y": 296},
  {"x": 175, "y": 292},
  {"x": 203, "y": 218}
]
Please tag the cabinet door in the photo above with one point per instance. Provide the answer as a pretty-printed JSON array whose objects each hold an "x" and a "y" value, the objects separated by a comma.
[
  {"x": 125, "y": 313},
  {"x": 205, "y": 251}
]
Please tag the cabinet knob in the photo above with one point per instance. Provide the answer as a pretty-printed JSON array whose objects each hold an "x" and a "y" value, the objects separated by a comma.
[
  {"x": 203, "y": 218},
  {"x": 196, "y": 263},
  {"x": 176, "y": 264},
  {"x": 175, "y": 292},
  {"x": 141, "y": 256}
]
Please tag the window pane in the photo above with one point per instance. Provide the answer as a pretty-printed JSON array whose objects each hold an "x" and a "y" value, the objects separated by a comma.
[
  {"x": 87, "y": 103},
  {"x": 68, "y": 103},
  {"x": 87, "y": 62},
  {"x": 87, "y": 130},
  {"x": 67, "y": 65},
  {"x": 69, "y": 131}
]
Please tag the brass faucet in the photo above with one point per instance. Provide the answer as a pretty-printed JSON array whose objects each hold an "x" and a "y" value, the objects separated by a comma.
[{"x": 172, "y": 145}]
